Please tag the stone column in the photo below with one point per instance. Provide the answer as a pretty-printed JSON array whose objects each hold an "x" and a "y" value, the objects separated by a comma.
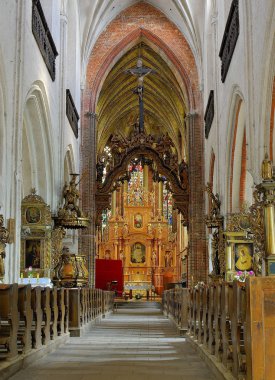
[
  {"x": 88, "y": 186},
  {"x": 62, "y": 95},
  {"x": 13, "y": 197},
  {"x": 197, "y": 259}
]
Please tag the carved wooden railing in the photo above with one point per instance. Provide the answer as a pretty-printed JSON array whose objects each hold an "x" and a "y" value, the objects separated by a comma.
[
  {"x": 72, "y": 113},
  {"x": 32, "y": 317},
  {"x": 230, "y": 37},
  {"x": 43, "y": 37},
  {"x": 209, "y": 114},
  {"x": 233, "y": 323}
]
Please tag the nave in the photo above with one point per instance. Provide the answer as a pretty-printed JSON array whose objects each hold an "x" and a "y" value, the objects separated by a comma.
[{"x": 135, "y": 342}]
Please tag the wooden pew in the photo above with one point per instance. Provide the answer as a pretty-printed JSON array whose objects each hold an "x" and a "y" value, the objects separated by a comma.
[
  {"x": 61, "y": 311},
  {"x": 205, "y": 300},
  {"x": 183, "y": 293},
  {"x": 46, "y": 315},
  {"x": 211, "y": 317},
  {"x": 9, "y": 320},
  {"x": 226, "y": 300},
  {"x": 37, "y": 317},
  {"x": 260, "y": 328},
  {"x": 237, "y": 330},
  {"x": 74, "y": 311},
  {"x": 25, "y": 318},
  {"x": 191, "y": 311},
  {"x": 89, "y": 311},
  {"x": 54, "y": 313},
  {"x": 200, "y": 313},
  {"x": 67, "y": 305},
  {"x": 217, "y": 322}
]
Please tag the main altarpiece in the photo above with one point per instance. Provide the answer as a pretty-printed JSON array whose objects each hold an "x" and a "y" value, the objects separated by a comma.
[{"x": 140, "y": 230}]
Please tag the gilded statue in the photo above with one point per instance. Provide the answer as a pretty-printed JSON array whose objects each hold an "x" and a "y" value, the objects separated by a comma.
[
  {"x": 267, "y": 170},
  {"x": 215, "y": 203},
  {"x": 4, "y": 237},
  {"x": 71, "y": 196}
]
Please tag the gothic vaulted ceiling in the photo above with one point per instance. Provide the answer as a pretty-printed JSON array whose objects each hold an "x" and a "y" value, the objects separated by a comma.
[
  {"x": 95, "y": 15},
  {"x": 118, "y": 105}
]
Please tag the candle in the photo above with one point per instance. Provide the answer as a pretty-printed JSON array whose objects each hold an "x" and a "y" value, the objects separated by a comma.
[{"x": 229, "y": 257}]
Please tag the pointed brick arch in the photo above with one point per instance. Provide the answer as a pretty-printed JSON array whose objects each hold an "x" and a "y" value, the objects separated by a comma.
[
  {"x": 146, "y": 21},
  {"x": 143, "y": 21}
]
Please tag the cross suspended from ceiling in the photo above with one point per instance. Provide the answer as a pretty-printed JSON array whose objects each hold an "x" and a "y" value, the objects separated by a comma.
[{"x": 140, "y": 72}]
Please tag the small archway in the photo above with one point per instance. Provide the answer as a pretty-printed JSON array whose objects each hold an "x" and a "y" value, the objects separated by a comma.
[
  {"x": 37, "y": 153},
  {"x": 238, "y": 157},
  {"x": 69, "y": 164}
]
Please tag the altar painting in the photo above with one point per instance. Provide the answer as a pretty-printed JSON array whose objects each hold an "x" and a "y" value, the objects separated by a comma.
[{"x": 138, "y": 253}]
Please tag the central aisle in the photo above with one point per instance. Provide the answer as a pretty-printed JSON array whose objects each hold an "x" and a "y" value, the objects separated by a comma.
[{"x": 131, "y": 344}]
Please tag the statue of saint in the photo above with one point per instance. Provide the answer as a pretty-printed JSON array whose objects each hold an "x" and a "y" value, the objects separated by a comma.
[{"x": 71, "y": 196}]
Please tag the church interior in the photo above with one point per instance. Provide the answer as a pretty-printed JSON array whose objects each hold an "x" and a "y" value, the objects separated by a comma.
[{"x": 137, "y": 189}]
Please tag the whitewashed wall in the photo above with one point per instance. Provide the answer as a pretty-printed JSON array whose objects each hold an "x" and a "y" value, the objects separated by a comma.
[
  {"x": 250, "y": 77},
  {"x": 32, "y": 107},
  {"x": 32, "y": 111}
]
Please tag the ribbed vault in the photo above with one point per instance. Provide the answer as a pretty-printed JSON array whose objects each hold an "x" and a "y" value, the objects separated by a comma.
[{"x": 117, "y": 106}]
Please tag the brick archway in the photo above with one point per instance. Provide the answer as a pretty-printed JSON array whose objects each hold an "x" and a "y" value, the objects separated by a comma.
[{"x": 144, "y": 21}]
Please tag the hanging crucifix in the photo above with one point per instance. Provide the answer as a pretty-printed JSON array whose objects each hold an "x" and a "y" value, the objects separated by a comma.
[{"x": 140, "y": 72}]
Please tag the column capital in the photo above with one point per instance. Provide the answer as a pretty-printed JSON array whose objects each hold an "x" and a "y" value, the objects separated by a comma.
[
  {"x": 191, "y": 115},
  {"x": 91, "y": 115}
]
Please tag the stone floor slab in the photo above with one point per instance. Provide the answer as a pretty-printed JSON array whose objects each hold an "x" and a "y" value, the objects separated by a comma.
[{"x": 131, "y": 344}]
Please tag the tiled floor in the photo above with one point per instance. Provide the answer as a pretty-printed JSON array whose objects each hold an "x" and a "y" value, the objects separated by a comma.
[{"x": 132, "y": 344}]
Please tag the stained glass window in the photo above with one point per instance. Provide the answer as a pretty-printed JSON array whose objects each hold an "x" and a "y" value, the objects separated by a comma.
[{"x": 135, "y": 185}]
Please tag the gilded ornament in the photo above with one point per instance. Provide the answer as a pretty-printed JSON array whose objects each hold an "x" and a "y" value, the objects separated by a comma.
[
  {"x": 71, "y": 270},
  {"x": 4, "y": 239},
  {"x": 267, "y": 170},
  {"x": 70, "y": 216}
]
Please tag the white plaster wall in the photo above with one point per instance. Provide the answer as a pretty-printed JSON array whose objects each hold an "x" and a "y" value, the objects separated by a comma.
[
  {"x": 21, "y": 67},
  {"x": 250, "y": 67}
]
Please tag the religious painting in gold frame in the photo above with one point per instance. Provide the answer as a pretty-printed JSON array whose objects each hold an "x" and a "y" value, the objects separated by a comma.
[
  {"x": 36, "y": 235},
  {"x": 33, "y": 215},
  {"x": 243, "y": 256},
  {"x": 138, "y": 253},
  {"x": 33, "y": 257},
  {"x": 138, "y": 221}
]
